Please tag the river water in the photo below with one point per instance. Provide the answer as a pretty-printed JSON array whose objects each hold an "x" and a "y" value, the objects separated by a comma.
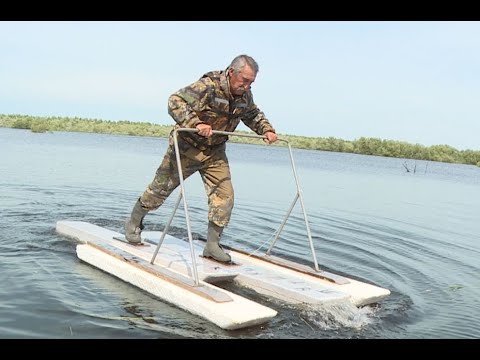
[{"x": 414, "y": 233}]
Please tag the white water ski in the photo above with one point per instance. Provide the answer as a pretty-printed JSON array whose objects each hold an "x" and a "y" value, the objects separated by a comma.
[{"x": 171, "y": 276}]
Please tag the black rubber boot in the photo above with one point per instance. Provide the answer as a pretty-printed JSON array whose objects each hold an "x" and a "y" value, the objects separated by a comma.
[
  {"x": 212, "y": 248},
  {"x": 134, "y": 224}
]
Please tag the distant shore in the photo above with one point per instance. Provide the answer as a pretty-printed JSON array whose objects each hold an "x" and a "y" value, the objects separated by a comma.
[{"x": 363, "y": 145}]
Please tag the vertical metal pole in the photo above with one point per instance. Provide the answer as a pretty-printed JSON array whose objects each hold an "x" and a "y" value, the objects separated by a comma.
[
  {"x": 187, "y": 219},
  {"x": 297, "y": 196},
  {"x": 299, "y": 192}
]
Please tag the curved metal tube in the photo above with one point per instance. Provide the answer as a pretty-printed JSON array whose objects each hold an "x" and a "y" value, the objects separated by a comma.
[{"x": 187, "y": 219}]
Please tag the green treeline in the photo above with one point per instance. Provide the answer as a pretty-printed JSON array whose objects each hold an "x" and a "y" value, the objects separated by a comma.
[{"x": 363, "y": 145}]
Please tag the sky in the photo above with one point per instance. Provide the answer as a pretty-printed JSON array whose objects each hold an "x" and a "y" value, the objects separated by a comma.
[{"x": 411, "y": 81}]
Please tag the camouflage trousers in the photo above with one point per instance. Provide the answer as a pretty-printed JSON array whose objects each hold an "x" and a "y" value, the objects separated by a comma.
[{"x": 212, "y": 164}]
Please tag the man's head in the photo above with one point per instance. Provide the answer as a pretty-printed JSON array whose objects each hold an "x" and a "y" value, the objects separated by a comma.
[{"x": 242, "y": 73}]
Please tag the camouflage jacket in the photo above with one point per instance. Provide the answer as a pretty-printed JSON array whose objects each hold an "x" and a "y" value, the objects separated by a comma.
[{"x": 209, "y": 101}]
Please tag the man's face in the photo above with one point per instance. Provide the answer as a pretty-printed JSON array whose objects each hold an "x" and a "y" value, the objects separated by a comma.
[{"x": 241, "y": 82}]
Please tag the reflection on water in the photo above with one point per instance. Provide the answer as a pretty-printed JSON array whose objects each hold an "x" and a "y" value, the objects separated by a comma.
[{"x": 413, "y": 233}]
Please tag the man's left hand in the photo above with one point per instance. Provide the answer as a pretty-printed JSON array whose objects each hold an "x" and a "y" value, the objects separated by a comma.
[{"x": 270, "y": 137}]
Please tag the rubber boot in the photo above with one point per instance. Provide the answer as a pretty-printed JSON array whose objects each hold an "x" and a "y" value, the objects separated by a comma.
[
  {"x": 134, "y": 224},
  {"x": 212, "y": 248}
]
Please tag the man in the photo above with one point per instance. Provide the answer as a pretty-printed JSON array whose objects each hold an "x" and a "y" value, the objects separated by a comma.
[{"x": 217, "y": 101}]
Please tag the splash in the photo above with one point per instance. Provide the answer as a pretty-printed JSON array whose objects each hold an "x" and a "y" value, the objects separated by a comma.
[{"x": 336, "y": 315}]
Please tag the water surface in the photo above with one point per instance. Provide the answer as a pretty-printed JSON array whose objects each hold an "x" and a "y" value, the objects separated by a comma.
[{"x": 416, "y": 234}]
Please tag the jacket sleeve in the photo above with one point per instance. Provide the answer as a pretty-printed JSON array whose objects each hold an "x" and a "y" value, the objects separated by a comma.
[
  {"x": 185, "y": 104},
  {"x": 255, "y": 119}
]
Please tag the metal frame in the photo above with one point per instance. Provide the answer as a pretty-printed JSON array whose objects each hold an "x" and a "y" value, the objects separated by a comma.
[{"x": 182, "y": 195}]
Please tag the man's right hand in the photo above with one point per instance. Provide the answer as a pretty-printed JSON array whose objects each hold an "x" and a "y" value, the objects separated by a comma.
[{"x": 204, "y": 130}]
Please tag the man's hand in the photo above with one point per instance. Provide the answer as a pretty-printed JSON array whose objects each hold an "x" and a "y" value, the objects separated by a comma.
[
  {"x": 204, "y": 130},
  {"x": 270, "y": 137}
]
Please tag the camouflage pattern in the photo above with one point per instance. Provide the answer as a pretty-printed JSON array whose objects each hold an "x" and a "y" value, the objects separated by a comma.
[
  {"x": 212, "y": 164},
  {"x": 209, "y": 101}
]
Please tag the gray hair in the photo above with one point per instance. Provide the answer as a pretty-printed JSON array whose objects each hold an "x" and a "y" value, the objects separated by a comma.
[{"x": 241, "y": 61}]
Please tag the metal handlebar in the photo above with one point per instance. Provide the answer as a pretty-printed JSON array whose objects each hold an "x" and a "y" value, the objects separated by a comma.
[{"x": 182, "y": 195}]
